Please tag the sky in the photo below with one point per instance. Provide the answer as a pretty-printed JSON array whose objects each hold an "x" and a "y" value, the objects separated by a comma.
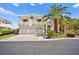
[{"x": 10, "y": 11}]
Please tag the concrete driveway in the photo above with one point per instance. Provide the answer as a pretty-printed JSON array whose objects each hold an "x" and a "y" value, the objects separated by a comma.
[
  {"x": 33, "y": 38},
  {"x": 55, "y": 47},
  {"x": 23, "y": 38}
]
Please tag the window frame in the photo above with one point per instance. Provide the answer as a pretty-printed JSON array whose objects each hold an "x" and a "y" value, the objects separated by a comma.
[
  {"x": 39, "y": 20},
  {"x": 25, "y": 20}
]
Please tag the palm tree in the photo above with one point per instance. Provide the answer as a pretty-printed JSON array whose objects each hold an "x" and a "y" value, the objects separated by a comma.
[
  {"x": 70, "y": 25},
  {"x": 73, "y": 24},
  {"x": 76, "y": 23},
  {"x": 56, "y": 12},
  {"x": 62, "y": 22}
]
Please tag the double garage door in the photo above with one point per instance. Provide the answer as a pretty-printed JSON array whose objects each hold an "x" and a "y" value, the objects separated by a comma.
[
  {"x": 27, "y": 31},
  {"x": 36, "y": 31}
]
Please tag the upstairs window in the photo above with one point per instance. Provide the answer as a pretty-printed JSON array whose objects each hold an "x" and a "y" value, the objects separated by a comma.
[
  {"x": 25, "y": 20},
  {"x": 38, "y": 20},
  {"x": 3, "y": 22},
  {"x": 31, "y": 17}
]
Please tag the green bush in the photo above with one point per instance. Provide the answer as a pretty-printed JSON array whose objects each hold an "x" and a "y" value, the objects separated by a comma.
[
  {"x": 60, "y": 36},
  {"x": 6, "y": 31},
  {"x": 70, "y": 35},
  {"x": 50, "y": 33}
]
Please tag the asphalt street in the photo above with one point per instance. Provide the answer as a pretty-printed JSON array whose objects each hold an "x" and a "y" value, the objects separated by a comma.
[{"x": 56, "y": 47}]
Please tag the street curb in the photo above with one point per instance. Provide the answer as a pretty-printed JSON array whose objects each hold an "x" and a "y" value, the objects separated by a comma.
[{"x": 45, "y": 39}]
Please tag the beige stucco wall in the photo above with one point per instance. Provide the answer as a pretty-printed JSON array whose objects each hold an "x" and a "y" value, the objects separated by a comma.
[{"x": 31, "y": 24}]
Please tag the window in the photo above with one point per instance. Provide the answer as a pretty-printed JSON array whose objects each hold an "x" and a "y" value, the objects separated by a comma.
[
  {"x": 38, "y": 20},
  {"x": 31, "y": 17},
  {"x": 3, "y": 22},
  {"x": 25, "y": 20}
]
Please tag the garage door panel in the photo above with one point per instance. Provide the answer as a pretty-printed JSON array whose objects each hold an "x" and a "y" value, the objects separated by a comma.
[
  {"x": 23, "y": 31},
  {"x": 39, "y": 31},
  {"x": 32, "y": 31}
]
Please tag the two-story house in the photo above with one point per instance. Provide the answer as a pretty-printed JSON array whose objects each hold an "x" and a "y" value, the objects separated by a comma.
[{"x": 31, "y": 24}]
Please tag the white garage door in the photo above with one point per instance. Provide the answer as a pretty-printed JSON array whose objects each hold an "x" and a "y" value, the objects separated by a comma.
[
  {"x": 31, "y": 31},
  {"x": 23, "y": 31},
  {"x": 39, "y": 31}
]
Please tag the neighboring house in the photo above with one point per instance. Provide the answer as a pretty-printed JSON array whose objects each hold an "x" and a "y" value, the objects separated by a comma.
[
  {"x": 5, "y": 24},
  {"x": 31, "y": 24}
]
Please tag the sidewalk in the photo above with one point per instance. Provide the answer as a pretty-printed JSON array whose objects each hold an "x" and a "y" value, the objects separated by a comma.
[{"x": 32, "y": 38}]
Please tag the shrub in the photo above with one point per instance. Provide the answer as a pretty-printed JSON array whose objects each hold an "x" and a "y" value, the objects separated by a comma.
[
  {"x": 70, "y": 35},
  {"x": 6, "y": 31},
  {"x": 50, "y": 33},
  {"x": 60, "y": 36}
]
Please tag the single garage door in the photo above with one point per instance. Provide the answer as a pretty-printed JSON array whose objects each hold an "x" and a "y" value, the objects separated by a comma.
[
  {"x": 23, "y": 31},
  {"x": 39, "y": 31}
]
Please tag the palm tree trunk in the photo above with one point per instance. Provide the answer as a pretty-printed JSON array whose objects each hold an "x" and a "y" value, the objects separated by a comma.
[
  {"x": 60, "y": 30},
  {"x": 63, "y": 29},
  {"x": 55, "y": 25}
]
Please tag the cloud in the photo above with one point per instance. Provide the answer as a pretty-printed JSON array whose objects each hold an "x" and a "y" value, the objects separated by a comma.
[
  {"x": 76, "y": 5},
  {"x": 4, "y": 11},
  {"x": 15, "y": 4},
  {"x": 40, "y": 3},
  {"x": 33, "y": 4}
]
